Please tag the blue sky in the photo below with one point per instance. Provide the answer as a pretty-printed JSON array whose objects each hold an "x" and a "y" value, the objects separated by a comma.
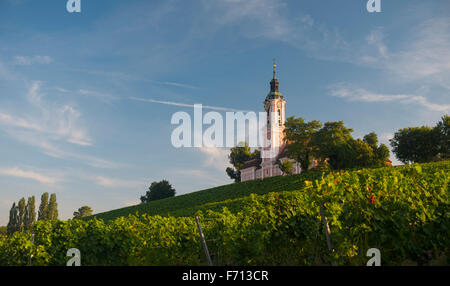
[{"x": 69, "y": 125}]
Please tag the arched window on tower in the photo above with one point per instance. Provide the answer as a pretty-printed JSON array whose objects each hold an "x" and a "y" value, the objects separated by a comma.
[{"x": 279, "y": 117}]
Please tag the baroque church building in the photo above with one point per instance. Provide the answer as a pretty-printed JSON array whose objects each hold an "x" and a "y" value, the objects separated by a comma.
[{"x": 267, "y": 165}]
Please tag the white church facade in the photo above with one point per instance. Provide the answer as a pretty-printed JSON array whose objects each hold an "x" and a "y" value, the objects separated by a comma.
[{"x": 267, "y": 166}]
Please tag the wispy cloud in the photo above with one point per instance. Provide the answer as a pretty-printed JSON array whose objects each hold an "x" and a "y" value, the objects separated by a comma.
[
  {"x": 360, "y": 94},
  {"x": 19, "y": 173},
  {"x": 257, "y": 18},
  {"x": 25, "y": 60},
  {"x": 171, "y": 83},
  {"x": 215, "y": 157},
  {"x": 105, "y": 97},
  {"x": 47, "y": 147},
  {"x": 108, "y": 182},
  {"x": 186, "y": 104},
  {"x": 423, "y": 57},
  {"x": 426, "y": 55},
  {"x": 128, "y": 77},
  {"x": 203, "y": 176},
  {"x": 48, "y": 125},
  {"x": 55, "y": 122}
]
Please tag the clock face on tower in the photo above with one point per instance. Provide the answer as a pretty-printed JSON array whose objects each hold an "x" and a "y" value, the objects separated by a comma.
[{"x": 279, "y": 104}]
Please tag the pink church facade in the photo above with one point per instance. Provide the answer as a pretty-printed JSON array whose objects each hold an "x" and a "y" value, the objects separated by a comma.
[{"x": 267, "y": 166}]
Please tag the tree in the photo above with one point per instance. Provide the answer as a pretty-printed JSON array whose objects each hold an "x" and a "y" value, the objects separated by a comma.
[
  {"x": 13, "y": 217},
  {"x": 299, "y": 136},
  {"x": 52, "y": 208},
  {"x": 157, "y": 191},
  {"x": 3, "y": 230},
  {"x": 21, "y": 218},
  {"x": 233, "y": 174},
  {"x": 333, "y": 143},
  {"x": 30, "y": 214},
  {"x": 367, "y": 153},
  {"x": 443, "y": 128},
  {"x": 381, "y": 155},
  {"x": 363, "y": 154},
  {"x": 286, "y": 166},
  {"x": 43, "y": 207},
  {"x": 84, "y": 211},
  {"x": 238, "y": 156},
  {"x": 416, "y": 144},
  {"x": 371, "y": 139}
]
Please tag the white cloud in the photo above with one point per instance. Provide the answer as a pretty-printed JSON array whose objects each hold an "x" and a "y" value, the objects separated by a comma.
[
  {"x": 16, "y": 172},
  {"x": 426, "y": 55},
  {"x": 375, "y": 38},
  {"x": 49, "y": 148},
  {"x": 359, "y": 94},
  {"x": 176, "y": 84},
  {"x": 185, "y": 104},
  {"x": 57, "y": 123},
  {"x": 215, "y": 157},
  {"x": 203, "y": 176},
  {"x": 119, "y": 183},
  {"x": 51, "y": 124},
  {"x": 97, "y": 94},
  {"x": 5, "y": 74},
  {"x": 25, "y": 61},
  {"x": 256, "y": 18},
  {"x": 423, "y": 55}
]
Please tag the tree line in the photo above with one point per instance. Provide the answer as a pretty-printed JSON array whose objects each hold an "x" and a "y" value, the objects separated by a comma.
[
  {"x": 22, "y": 215},
  {"x": 332, "y": 146}
]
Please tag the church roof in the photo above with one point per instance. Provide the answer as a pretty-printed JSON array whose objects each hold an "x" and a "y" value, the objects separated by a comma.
[{"x": 256, "y": 162}]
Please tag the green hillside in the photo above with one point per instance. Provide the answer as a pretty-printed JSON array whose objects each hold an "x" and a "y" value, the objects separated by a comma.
[
  {"x": 232, "y": 196},
  {"x": 214, "y": 198},
  {"x": 402, "y": 211}
]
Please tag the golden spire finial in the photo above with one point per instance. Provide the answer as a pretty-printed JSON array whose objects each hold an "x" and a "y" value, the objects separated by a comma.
[{"x": 274, "y": 68}]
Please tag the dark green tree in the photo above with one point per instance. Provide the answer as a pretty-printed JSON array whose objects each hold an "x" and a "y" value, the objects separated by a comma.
[
  {"x": 30, "y": 214},
  {"x": 13, "y": 218},
  {"x": 381, "y": 155},
  {"x": 238, "y": 156},
  {"x": 43, "y": 207},
  {"x": 362, "y": 155},
  {"x": 157, "y": 191},
  {"x": 233, "y": 174},
  {"x": 371, "y": 155},
  {"x": 299, "y": 136},
  {"x": 416, "y": 144},
  {"x": 443, "y": 128},
  {"x": 84, "y": 211},
  {"x": 22, "y": 210},
  {"x": 52, "y": 208},
  {"x": 333, "y": 143}
]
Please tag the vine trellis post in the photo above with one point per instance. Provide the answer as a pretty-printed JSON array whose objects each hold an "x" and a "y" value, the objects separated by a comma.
[
  {"x": 203, "y": 240},
  {"x": 327, "y": 231}
]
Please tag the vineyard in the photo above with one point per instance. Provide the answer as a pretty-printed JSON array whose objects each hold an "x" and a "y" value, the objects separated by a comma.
[{"x": 402, "y": 211}]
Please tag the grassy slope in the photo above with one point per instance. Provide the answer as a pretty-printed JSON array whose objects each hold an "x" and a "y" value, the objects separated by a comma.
[
  {"x": 214, "y": 198},
  {"x": 232, "y": 196}
]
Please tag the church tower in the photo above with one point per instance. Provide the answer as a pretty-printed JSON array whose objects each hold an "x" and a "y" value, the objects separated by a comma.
[{"x": 274, "y": 105}]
